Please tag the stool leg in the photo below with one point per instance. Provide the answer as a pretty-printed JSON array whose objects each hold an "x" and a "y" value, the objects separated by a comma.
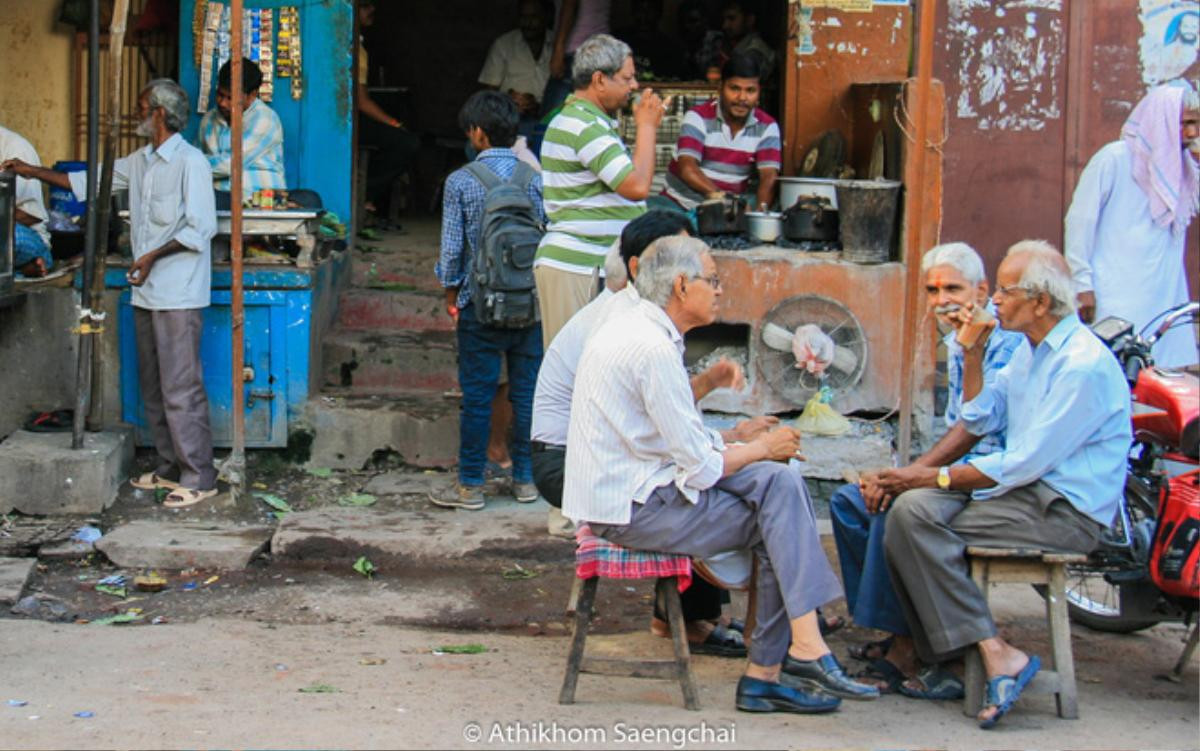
[
  {"x": 1060, "y": 643},
  {"x": 1188, "y": 649},
  {"x": 668, "y": 589},
  {"x": 573, "y": 600},
  {"x": 974, "y": 676},
  {"x": 583, "y": 617}
]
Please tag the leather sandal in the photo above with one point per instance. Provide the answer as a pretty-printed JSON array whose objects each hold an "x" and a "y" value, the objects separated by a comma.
[
  {"x": 151, "y": 481},
  {"x": 184, "y": 497}
]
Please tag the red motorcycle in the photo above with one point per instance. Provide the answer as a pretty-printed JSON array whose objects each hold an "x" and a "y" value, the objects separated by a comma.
[{"x": 1147, "y": 569}]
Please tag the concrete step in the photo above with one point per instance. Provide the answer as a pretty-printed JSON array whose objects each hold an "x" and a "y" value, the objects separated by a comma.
[
  {"x": 350, "y": 429},
  {"x": 394, "y": 272},
  {"x": 369, "y": 362},
  {"x": 377, "y": 309}
]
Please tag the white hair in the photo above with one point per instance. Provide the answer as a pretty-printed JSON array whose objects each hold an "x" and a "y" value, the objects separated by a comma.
[
  {"x": 663, "y": 262},
  {"x": 599, "y": 52},
  {"x": 165, "y": 93},
  {"x": 615, "y": 274},
  {"x": 1046, "y": 271},
  {"x": 959, "y": 256}
]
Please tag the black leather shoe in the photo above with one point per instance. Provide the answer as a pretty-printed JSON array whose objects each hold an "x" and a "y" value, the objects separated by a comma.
[
  {"x": 754, "y": 695},
  {"x": 721, "y": 642},
  {"x": 824, "y": 674}
]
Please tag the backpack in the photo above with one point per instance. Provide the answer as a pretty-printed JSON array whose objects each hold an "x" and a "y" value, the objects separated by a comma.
[{"x": 501, "y": 278}]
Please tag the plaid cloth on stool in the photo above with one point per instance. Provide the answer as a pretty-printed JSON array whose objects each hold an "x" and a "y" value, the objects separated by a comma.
[{"x": 595, "y": 556}]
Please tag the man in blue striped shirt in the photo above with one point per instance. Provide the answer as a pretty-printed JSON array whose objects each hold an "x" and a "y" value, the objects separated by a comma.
[
  {"x": 490, "y": 120},
  {"x": 954, "y": 278},
  {"x": 262, "y": 135}
]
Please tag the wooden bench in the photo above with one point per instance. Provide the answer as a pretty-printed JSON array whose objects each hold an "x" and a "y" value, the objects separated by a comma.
[{"x": 1028, "y": 566}]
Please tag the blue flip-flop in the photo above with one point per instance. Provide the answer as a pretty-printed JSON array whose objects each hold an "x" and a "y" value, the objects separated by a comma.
[{"x": 1004, "y": 690}]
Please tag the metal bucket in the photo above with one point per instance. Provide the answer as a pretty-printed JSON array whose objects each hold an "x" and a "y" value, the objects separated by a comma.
[{"x": 867, "y": 218}]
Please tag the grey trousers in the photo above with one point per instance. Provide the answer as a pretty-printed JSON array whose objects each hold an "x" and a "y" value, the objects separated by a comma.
[
  {"x": 764, "y": 507},
  {"x": 927, "y": 534},
  {"x": 168, "y": 345}
]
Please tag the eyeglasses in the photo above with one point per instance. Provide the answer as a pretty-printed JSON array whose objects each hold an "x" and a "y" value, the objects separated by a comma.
[
  {"x": 713, "y": 281},
  {"x": 1011, "y": 290}
]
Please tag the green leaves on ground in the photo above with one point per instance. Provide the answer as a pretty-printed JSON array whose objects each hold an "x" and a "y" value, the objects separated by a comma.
[
  {"x": 114, "y": 620},
  {"x": 319, "y": 688},
  {"x": 518, "y": 572},
  {"x": 274, "y": 501},
  {"x": 461, "y": 649},
  {"x": 322, "y": 472},
  {"x": 364, "y": 567},
  {"x": 357, "y": 499},
  {"x": 110, "y": 589}
]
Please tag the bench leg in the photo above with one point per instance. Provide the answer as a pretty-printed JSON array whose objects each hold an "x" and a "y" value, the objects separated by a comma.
[
  {"x": 583, "y": 617},
  {"x": 974, "y": 676},
  {"x": 1188, "y": 650},
  {"x": 573, "y": 600},
  {"x": 668, "y": 590},
  {"x": 1060, "y": 643}
]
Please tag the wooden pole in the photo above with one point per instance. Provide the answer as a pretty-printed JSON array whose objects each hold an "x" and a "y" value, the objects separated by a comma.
[
  {"x": 236, "y": 469},
  {"x": 915, "y": 212},
  {"x": 116, "y": 51},
  {"x": 83, "y": 364}
]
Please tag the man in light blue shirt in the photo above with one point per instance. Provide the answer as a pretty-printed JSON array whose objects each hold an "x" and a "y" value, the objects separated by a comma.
[
  {"x": 262, "y": 135},
  {"x": 1057, "y": 484},
  {"x": 172, "y": 220}
]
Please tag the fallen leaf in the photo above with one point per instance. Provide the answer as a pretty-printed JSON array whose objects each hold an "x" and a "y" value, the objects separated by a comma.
[
  {"x": 461, "y": 649},
  {"x": 274, "y": 501},
  {"x": 109, "y": 589},
  {"x": 115, "y": 620},
  {"x": 211, "y": 579},
  {"x": 364, "y": 567},
  {"x": 319, "y": 688},
  {"x": 357, "y": 499},
  {"x": 258, "y": 485},
  {"x": 323, "y": 472},
  {"x": 372, "y": 661},
  {"x": 518, "y": 572}
]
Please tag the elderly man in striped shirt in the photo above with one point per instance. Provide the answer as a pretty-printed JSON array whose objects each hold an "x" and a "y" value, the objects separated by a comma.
[
  {"x": 592, "y": 186},
  {"x": 262, "y": 136},
  {"x": 727, "y": 144},
  {"x": 644, "y": 473}
]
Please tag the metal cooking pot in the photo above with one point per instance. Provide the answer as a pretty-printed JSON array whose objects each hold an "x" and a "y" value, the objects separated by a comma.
[
  {"x": 763, "y": 226},
  {"x": 725, "y": 216},
  {"x": 811, "y": 219}
]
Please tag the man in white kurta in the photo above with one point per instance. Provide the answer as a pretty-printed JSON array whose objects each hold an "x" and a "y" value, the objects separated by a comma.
[{"x": 1127, "y": 225}]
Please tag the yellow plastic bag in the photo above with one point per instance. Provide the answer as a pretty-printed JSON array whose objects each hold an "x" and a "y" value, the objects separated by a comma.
[{"x": 819, "y": 418}]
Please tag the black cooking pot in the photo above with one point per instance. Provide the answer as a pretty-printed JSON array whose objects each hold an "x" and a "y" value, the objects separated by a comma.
[
  {"x": 812, "y": 218},
  {"x": 721, "y": 216}
]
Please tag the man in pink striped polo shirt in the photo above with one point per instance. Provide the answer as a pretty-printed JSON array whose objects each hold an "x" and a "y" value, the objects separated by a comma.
[{"x": 728, "y": 144}]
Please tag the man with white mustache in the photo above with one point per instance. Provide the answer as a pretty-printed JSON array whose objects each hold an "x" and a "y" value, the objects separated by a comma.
[{"x": 172, "y": 220}]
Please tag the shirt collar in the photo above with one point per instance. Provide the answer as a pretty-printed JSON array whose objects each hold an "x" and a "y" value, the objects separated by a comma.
[
  {"x": 659, "y": 316},
  {"x": 1062, "y": 331},
  {"x": 497, "y": 152},
  {"x": 167, "y": 150},
  {"x": 591, "y": 108}
]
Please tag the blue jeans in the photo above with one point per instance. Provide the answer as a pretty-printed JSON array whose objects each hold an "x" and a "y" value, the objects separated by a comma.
[
  {"x": 479, "y": 351},
  {"x": 870, "y": 597}
]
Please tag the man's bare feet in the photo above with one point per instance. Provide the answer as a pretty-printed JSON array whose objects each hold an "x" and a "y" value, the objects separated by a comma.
[
  {"x": 999, "y": 659},
  {"x": 34, "y": 269}
]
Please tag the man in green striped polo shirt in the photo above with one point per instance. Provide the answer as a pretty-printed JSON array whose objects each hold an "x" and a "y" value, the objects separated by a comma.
[{"x": 591, "y": 185}]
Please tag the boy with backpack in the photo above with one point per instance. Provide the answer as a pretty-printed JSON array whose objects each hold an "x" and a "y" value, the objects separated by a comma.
[{"x": 492, "y": 221}]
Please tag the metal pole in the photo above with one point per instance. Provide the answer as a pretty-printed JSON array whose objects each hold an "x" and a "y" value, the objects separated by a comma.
[
  {"x": 915, "y": 212},
  {"x": 83, "y": 370},
  {"x": 237, "y": 474},
  {"x": 116, "y": 51}
]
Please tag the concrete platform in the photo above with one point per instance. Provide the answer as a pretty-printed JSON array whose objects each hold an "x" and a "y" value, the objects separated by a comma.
[
  {"x": 41, "y": 474},
  {"x": 14, "y": 573},
  {"x": 390, "y": 363},
  {"x": 505, "y": 530},
  {"x": 179, "y": 545},
  {"x": 378, "y": 309},
  {"x": 422, "y": 428}
]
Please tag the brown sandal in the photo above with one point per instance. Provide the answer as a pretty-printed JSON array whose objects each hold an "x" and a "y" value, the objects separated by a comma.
[
  {"x": 184, "y": 497},
  {"x": 151, "y": 481}
]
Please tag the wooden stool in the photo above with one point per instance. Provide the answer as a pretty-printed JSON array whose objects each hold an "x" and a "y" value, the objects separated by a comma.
[
  {"x": 680, "y": 669},
  {"x": 1028, "y": 566}
]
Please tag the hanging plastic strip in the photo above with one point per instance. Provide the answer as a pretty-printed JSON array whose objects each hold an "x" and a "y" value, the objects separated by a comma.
[
  {"x": 212, "y": 23},
  {"x": 266, "y": 55}
]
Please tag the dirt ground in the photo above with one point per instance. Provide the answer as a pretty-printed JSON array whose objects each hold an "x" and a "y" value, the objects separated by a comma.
[{"x": 313, "y": 655}]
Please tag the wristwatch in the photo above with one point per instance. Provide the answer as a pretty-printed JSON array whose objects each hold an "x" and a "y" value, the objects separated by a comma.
[{"x": 943, "y": 478}]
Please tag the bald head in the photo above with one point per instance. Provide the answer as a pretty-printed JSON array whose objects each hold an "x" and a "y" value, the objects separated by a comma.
[{"x": 1040, "y": 268}]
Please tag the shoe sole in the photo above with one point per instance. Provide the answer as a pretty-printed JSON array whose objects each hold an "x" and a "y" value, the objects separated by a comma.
[
  {"x": 811, "y": 685},
  {"x": 759, "y": 704},
  {"x": 519, "y": 499},
  {"x": 457, "y": 504}
]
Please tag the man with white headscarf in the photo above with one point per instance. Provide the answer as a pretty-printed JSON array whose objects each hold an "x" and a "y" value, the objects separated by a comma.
[{"x": 1126, "y": 228}]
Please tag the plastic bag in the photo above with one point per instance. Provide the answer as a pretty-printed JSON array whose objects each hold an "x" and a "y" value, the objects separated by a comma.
[
  {"x": 813, "y": 348},
  {"x": 819, "y": 418}
]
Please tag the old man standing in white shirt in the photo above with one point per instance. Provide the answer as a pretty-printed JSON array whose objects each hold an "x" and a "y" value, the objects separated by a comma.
[
  {"x": 172, "y": 220},
  {"x": 644, "y": 473}
]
